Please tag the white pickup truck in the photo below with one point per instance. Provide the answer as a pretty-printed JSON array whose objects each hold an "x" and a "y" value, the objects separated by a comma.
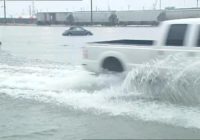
[{"x": 176, "y": 36}]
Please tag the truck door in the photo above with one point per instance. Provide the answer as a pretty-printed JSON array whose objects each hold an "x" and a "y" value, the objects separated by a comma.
[{"x": 175, "y": 40}]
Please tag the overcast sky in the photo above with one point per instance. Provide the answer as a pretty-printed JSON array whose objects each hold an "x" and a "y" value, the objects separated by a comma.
[{"x": 17, "y": 9}]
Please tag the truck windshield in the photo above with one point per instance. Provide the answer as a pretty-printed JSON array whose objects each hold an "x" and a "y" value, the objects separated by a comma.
[{"x": 176, "y": 35}]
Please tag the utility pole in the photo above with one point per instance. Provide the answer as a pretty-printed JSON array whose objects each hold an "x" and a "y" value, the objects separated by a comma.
[
  {"x": 160, "y": 4},
  {"x": 108, "y": 5},
  {"x": 30, "y": 11},
  {"x": 197, "y": 3},
  {"x": 4, "y": 6},
  {"x": 91, "y": 12},
  {"x": 33, "y": 8}
]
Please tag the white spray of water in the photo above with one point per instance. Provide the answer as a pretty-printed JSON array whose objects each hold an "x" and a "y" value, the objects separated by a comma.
[
  {"x": 175, "y": 79},
  {"x": 141, "y": 95}
]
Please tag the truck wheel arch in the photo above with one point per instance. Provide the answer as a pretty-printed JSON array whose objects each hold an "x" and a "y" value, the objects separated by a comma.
[
  {"x": 112, "y": 54},
  {"x": 112, "y": 64}
]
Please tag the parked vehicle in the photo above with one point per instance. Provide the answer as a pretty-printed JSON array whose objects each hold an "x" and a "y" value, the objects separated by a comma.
[
  {"x": 76, "y": 31},
  {"x": 177, "y": 36}
]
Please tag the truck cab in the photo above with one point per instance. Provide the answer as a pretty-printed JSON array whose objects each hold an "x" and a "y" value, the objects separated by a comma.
[{"x": 179, "y": 33}]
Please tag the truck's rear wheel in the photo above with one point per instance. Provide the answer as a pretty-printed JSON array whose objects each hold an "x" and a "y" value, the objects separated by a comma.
[{"x": 112, "y": 64}]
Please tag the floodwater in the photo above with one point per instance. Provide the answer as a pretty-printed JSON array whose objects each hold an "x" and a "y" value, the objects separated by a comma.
[{"x": 46, "y": 94}]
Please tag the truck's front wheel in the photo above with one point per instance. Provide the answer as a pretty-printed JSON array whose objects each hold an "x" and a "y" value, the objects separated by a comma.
[{"x": 112, "y": 64}]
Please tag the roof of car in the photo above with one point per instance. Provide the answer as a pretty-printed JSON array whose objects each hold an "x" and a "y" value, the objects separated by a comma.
[
  {"x": 76, "y": 27},
  {"x": 184, "y": 21}
]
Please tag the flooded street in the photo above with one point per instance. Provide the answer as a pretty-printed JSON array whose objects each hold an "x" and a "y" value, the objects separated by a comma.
[{"x": 46, "y": 94}]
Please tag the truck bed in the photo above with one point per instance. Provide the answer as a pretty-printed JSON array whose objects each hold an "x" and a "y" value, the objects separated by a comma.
[{"x": 127, "y": 42}]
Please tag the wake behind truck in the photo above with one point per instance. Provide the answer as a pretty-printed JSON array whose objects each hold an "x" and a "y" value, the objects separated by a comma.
[{"x": 176, "y": 36}]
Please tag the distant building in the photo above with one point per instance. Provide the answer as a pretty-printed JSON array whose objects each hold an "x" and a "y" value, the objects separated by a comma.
[
  {"x": 181, "y": 13},
  {"x": 77, "y": 18},
  {"x": 20, "y": 20},
  {"x": 48, "y": 18},
  {"x": 139, "y": 17},
  {"x": 134, "y": 17},
  {"x": 99, "y": 17}
]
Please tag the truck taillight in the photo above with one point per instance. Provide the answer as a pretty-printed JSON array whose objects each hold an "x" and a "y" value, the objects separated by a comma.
[{"x": 85, "y": 53}]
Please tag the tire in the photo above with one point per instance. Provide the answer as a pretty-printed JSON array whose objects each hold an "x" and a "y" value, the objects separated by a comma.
[{"x": 112, "y": 64}]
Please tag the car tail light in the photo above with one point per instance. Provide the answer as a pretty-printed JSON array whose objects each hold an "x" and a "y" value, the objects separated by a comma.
[{"x": 85, "y": 53}]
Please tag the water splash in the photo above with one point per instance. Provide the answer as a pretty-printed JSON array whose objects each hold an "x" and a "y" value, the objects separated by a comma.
[
  {"x": 149, "y": 92},
  {"x": 175, "y": 79}
]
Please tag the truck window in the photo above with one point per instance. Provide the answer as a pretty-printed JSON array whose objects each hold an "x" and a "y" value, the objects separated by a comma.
[
  {"x": 176, "y": 35},
  {"x": 198, "y": 38}
]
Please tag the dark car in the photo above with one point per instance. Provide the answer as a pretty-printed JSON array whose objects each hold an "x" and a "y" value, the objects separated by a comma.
[{"x": 76, "y": 31}]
